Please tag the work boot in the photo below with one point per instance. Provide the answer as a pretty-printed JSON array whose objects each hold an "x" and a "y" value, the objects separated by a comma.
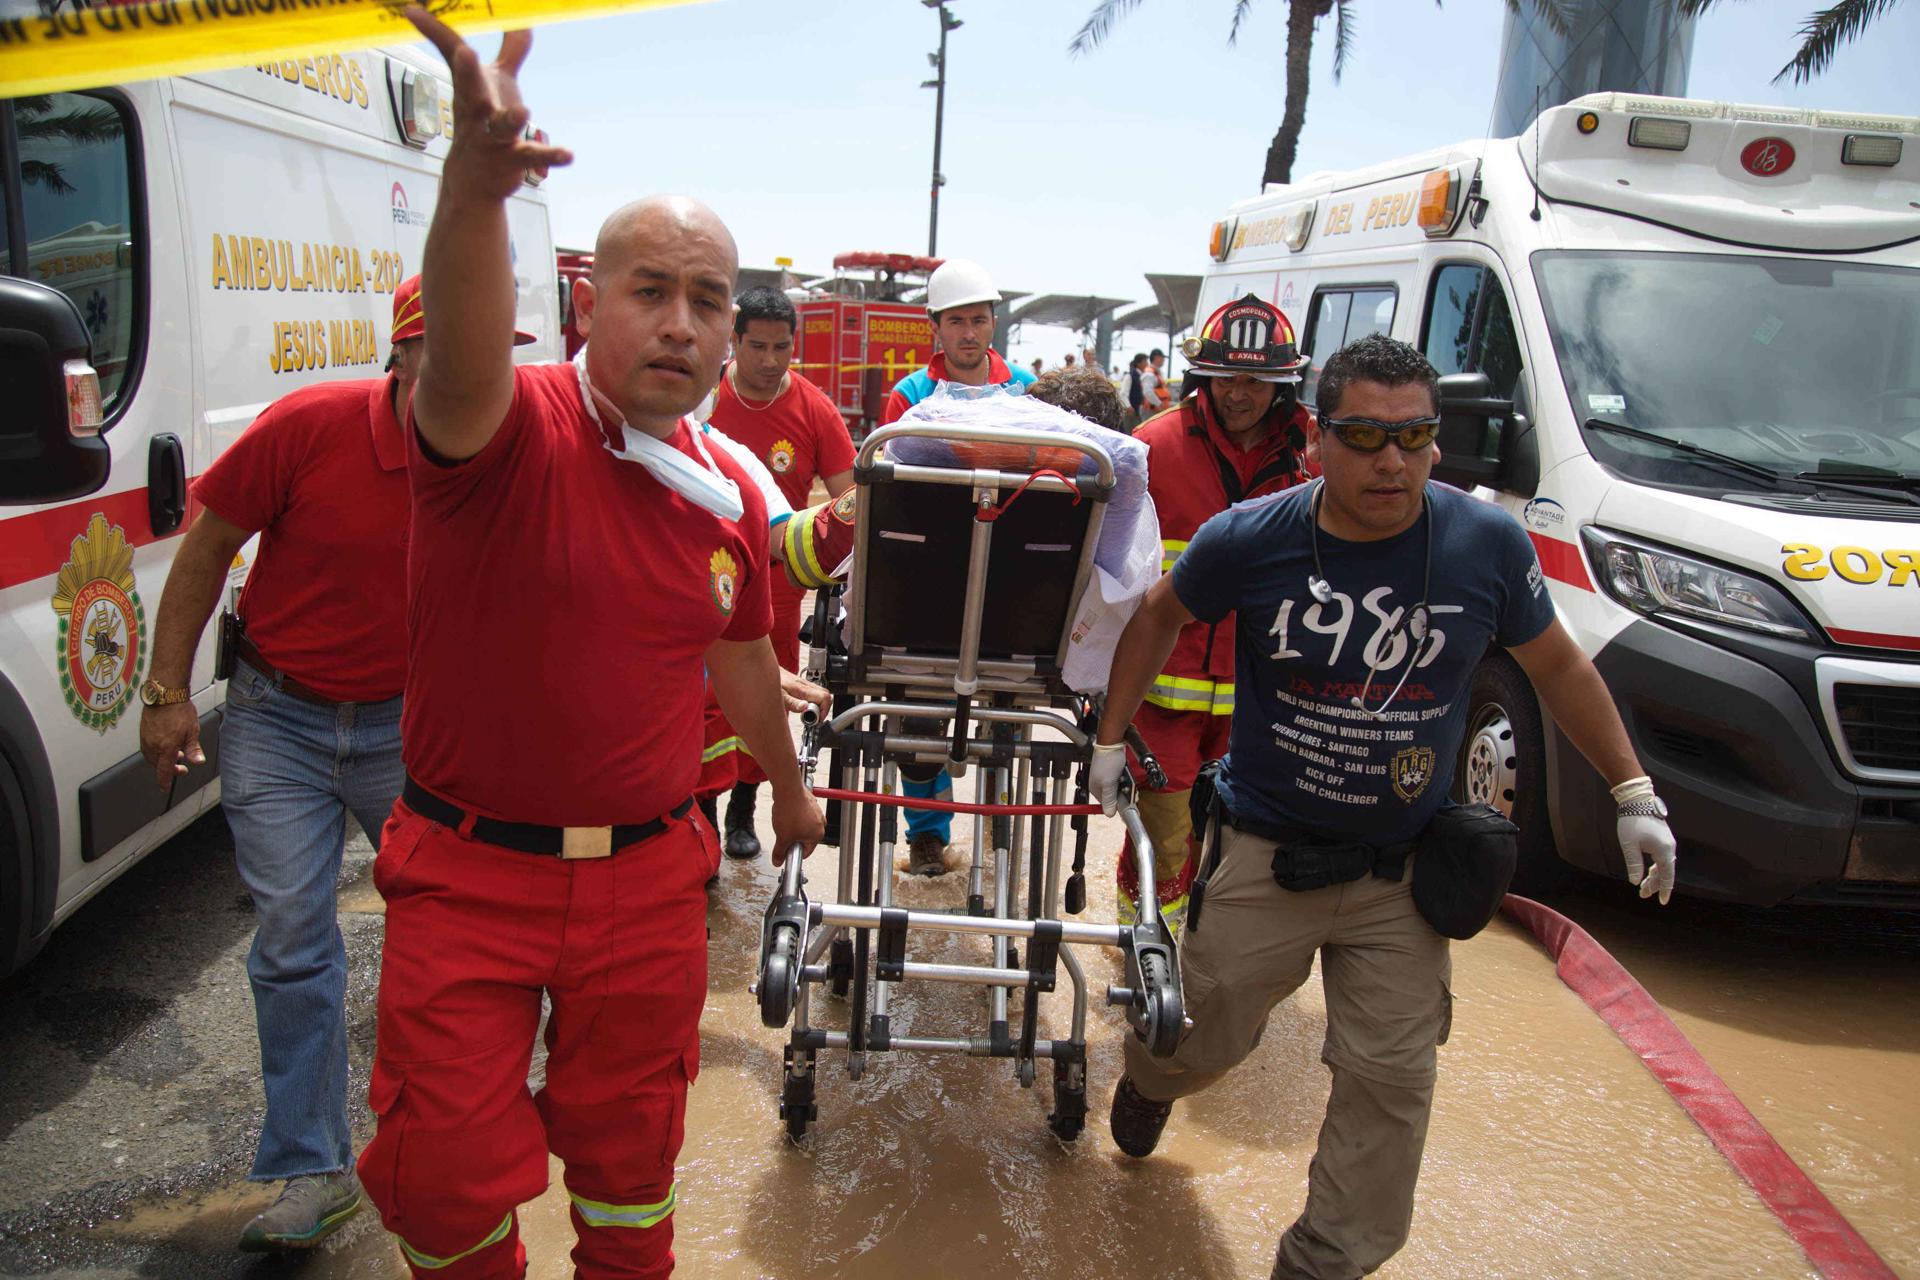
[
  {"x": 741, "y": 842},
  {"x": 1136, "y": 1122},
  {"x": 310, "y": 1209},
  {"x": 926, "y": 855}
]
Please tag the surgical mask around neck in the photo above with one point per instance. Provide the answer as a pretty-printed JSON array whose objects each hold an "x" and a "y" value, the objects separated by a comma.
[{"x": 704, "y": 486}]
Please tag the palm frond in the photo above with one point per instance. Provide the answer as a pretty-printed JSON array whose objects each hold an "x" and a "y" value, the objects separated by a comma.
[
  {"x": 1342, "y": 36},
  {"x": 38, "y": 173},
  {"x": 100, "y": 124},
  {"x": 1240, "y": 11},
  {"x": 1100, "y": 24},
  {"x": 1824, "y": 32},
  {"x": 1559, "y": 14}
]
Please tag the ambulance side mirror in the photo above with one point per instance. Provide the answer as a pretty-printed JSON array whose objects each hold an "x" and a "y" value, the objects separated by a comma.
[
  {"x": 1484, "y": 439},
  {"x": 50, "y": 445}
]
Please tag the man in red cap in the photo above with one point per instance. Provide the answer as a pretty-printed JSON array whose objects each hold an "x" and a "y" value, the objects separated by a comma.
[{"x": 312, "y": 729}]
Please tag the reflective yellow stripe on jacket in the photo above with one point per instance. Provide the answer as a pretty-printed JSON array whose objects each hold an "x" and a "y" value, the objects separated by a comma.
[
  {"x": 803, "y": 562},
  {"x": 598, "y": 1214},
  {"x": 427, "y": 1262},
  {"x": 723, "y": 746},
  {"x": 1184, "y": 693},
  {"x": 1170, "y": 549}
]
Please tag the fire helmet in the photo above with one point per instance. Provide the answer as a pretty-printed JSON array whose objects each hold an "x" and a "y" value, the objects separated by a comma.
[
  {"x": 958, "y": 282},
  {"x": 1249, "y": 336}
]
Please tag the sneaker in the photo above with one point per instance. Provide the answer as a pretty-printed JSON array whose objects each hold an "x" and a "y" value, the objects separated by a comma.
[
  {"x": 1135, "y": 1121},
  {"x": 310, "y": 1209},
  {"x": 926, "y": 855},
  {"x": 741, "y": 842}
]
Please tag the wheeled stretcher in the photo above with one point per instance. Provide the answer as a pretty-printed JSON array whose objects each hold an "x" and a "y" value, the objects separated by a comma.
[{"x": 966, "y": 575}]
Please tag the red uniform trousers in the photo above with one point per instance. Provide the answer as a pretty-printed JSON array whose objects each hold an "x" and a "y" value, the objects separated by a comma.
[
  {"x": 724, "y": 759},
  {"x": 1182, "y": 741},
  {"x": 475, "y": 933}
]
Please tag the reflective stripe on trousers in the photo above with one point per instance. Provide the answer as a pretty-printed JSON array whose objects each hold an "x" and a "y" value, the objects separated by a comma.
[
  {"x": 597, "y": 1214},
  {"x": 427, "y": 1262}
]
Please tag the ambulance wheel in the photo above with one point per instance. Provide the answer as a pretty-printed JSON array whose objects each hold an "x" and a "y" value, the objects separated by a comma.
[
  {"x": 1503, "y": 763},
  {"x": 797, "y": 1109},
  {"x": 779, "y": 979}
]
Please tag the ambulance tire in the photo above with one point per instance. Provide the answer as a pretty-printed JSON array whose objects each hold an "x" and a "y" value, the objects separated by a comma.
[{"x": 1503, "y": 763}]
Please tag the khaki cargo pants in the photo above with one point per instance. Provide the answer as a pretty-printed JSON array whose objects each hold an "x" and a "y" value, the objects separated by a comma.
[{"x": 1386, "y": 973}]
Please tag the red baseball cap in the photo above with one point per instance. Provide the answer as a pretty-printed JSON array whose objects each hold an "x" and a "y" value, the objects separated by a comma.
[{"x": 410, "y": 318}]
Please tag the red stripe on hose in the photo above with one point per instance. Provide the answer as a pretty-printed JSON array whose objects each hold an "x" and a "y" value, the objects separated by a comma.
[
  {"x": 1829, "y": 1240},
  {"x": 955, "y": 806}
]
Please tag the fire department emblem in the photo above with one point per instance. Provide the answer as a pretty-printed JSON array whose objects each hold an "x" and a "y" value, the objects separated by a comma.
[
  {"x": 843, "y": 508},
  {"x": 1410, "y": 772},
  {"x": 780, "y": 460},
  {"x": 102, "y": 634},
  {"x": 720, "y": 579}
]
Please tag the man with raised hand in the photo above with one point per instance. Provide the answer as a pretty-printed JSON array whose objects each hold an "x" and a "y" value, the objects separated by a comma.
[{"x": 577, "y": 554}]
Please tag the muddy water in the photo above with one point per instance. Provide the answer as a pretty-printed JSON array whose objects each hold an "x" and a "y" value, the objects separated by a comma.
[{"x": 1552, "y": 1152}]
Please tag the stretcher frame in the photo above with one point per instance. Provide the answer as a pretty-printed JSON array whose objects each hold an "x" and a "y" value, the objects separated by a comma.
[{"x": 990, "y": 711}]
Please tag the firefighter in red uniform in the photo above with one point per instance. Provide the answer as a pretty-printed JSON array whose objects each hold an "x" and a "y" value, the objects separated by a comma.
[
  {"x": 577, "y": 552},
  {"x": 796, "y": 433},
  {"x": 1239, "y": 432}
]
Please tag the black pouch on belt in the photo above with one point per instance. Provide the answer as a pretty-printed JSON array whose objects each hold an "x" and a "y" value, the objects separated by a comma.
[
  {"x": 1465, "y": 863},
  {"x": 1303, "y": 865},
  {"x": 226, "y": 648}
]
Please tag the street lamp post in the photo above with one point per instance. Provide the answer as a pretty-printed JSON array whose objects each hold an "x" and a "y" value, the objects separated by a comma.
[{"x": 939, "y": 86}]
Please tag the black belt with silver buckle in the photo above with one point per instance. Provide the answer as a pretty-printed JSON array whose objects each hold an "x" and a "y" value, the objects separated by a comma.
[{"x": 531, "y": 837}]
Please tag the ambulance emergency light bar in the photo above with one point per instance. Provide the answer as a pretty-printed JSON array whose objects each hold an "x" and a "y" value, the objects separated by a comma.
[{"x": 1664, "y": 124}]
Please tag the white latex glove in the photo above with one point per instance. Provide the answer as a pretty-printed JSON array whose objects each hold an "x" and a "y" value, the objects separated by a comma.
[
  {"x": 1103, "y": 780},
  {"x": 1645, "y": 838}
]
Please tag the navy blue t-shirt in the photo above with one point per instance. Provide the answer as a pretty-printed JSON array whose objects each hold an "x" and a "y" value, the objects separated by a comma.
[{"x": 1301, "y": 754}]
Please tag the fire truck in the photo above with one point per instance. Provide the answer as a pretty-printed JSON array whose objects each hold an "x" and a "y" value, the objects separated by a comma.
[
  {"x": 858, "y": 336},
  {"x": 572, "y": 264}
]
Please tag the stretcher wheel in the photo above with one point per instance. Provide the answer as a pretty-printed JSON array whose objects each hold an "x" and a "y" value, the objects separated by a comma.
[
  {"x": 1161, "y": 1021},
  {"x": 780, "y": 977},
  {"x": 797, "y": 1109},
  {"x": 1069, "y": 1114}
]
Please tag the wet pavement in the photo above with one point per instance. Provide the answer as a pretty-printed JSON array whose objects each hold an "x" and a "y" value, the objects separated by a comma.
[{"x": 129, "y": 1101}]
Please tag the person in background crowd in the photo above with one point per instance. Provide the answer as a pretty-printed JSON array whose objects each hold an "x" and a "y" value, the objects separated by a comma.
[
  {"x": 1308, "y": 866},
  {"x": 312, "y": 730},
  {"x": 569, "y": 524},
  {"x": 960, "y": 299},
  {"x": 1039, "y": 365},
  {"x": 790, "y": 427},
  {"x": 1162, "y": 394}
]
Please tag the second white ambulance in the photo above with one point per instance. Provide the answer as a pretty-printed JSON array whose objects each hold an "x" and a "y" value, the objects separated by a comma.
[{"x": 1681, "y": 342}]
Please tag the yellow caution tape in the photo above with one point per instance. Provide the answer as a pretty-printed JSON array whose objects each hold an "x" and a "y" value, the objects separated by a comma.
[{"x": 140, "y": 39}]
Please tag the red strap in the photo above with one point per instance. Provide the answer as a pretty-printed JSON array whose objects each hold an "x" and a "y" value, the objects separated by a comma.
[
  {"x": 990, "y": 514},
  {"x": 956, "y": 806}
]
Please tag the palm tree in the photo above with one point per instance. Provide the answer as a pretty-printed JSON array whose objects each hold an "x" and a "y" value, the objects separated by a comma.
[
  {"x": 1821, "y": 35},
  {"x": 1302, "y": 17},
  {"x": 82, "y": 126}
]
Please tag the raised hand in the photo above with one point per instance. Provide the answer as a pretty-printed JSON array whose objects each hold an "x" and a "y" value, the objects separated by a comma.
[{"x": 488, "y": 155}]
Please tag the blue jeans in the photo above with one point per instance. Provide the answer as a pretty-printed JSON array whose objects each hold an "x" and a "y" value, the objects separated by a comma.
[
  {"x": 290, "y": 772},
  {"x": 937, "y": 821}
]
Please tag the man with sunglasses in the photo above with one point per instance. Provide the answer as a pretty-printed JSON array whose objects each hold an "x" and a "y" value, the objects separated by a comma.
[
  {"x": 1354, "y": 661},
  {"x": 1239, "y": 433}
]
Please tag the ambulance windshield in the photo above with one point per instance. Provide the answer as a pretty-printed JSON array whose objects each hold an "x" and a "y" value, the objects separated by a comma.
[{"x": 1797, "y": 366}]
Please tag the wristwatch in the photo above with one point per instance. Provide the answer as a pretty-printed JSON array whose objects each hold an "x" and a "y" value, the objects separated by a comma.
[
  {"x": 1647, "y": 806},
  {"x": 155, "y": 694}
]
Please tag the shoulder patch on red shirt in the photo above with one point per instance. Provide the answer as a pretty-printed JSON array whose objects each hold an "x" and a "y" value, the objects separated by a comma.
[{"x": 722, "y": 576}]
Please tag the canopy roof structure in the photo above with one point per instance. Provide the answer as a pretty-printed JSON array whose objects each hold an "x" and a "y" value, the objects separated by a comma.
[
  {"x": 1067, "y": 310},
  {"x": 1179, "y": 298}
]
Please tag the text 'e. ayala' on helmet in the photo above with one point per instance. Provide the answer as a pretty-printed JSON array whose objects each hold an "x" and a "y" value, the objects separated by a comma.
[{"x": 1248, "y": 336}]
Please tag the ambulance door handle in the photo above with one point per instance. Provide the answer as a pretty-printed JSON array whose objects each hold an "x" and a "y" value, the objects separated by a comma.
[{"x": 166, "y": 484}]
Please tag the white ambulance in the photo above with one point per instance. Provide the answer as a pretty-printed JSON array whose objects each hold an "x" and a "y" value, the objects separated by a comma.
[
  {"x": 1681, "y": 344},
  {"x": 176, "y": 255}
]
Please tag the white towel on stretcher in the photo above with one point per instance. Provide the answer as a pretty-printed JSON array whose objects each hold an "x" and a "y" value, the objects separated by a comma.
[{"x": 1127, "y": 560}]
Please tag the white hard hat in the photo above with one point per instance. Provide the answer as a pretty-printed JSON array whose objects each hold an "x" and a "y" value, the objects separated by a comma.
[{"x": 958, "y": 282}]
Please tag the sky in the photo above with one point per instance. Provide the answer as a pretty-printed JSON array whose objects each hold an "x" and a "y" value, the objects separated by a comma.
[{"x": 804, "y": 125}]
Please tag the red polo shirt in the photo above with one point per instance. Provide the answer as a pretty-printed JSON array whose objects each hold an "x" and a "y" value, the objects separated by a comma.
[
  {"x": 560, "y": 605},
  {"x": 798, "y": 434},
  {"x": 321, "y": 474}
]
